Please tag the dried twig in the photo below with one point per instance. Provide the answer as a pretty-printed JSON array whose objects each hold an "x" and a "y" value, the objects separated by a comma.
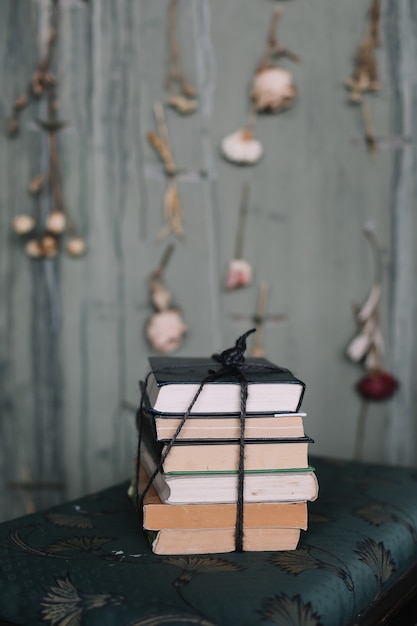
[
  {"x": 185, "y": 101},
  {"x": 172, "y": 210},
  {"x": 258, "y": 347},
  {"x": 273, "y": 48}
]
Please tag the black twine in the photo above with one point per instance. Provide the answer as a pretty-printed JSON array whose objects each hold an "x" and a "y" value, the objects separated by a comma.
[{"x": 233, "y": 362}]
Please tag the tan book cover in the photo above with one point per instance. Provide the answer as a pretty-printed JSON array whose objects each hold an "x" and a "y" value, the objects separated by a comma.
[
  {"x": 265, "y": 455},
  {"x": 218, "y": 540},
  {"x": 259, "y": 426},
  {"x": 157, "y": 515}
]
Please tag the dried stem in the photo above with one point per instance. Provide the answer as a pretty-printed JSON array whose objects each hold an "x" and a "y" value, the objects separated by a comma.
[
  {"x": 370, "y": 138},
  {"x": 273, "y": 48},
  {"x": 175, "y": 73},
  {"x": 172, "y": 206},
  {"x": 243, "y": 213},
  {"x": 360, "y": 429},
  {"x": 166, "y": 257},
  {"x": 258, "y": 349},
  {"x": 374, "y": 21}
]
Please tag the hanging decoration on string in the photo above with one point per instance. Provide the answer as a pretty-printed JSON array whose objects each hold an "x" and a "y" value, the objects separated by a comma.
[
  {"x": 260, "y": 319},
  {"x": 378, "y": 384},
  {"x": 239, "y": 271},
  {"x": 165, "y": 328},
  {"x": 365, "y": 79},
  {"x": 273, "y": 91},
  {"x": 182, "y": 94},
  {"x": 44, "y": 233},
  {"x": 172, "y": 209}
]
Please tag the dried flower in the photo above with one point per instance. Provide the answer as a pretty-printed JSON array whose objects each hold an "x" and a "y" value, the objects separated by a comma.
[
  {"x": 36, "y": 183},
  {"x": 76, "y": 246},
  {"x": 368, "y": 346},
  {"x": 165, "y": 330},
  {"x": 239, "y": 274},
  {"x": 56, "y": 222},
  {"x": 182, "y": 104},
  {"x": 49, "y": 246},
  {"x": 377, "y": 385},
  {"x": 241, "y": 147},
  {"x": 23, "y": 224},
  {"x": 185, "y": 102},
  {"x": 273, "y": 89}
]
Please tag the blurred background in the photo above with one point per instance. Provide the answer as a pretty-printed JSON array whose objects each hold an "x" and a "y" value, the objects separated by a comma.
[{"x": 72, "y": 327}]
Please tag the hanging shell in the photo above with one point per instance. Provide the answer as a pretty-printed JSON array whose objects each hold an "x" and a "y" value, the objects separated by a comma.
[
  {"x": 76, "y": 246},
  {"x": 165, "y": 330},
  {"x": 241, "y": 147},
  {"x": 273, "y": 90},
  {"x": 239, "y": 274},
  {"x": 23, "y": 224}
]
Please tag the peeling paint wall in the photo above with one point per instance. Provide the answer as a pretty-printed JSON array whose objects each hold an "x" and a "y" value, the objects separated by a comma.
[{"x": 72, "y": 347}]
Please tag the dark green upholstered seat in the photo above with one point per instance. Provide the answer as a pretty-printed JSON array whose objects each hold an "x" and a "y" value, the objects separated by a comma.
[{"x": 87, "y": 562}]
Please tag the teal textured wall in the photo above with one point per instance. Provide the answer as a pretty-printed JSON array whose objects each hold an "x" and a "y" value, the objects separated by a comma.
[{"x": 71, "y": 331}]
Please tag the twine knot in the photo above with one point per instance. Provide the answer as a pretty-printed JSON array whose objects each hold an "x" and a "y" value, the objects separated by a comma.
[{"x": 235, "y": 356}]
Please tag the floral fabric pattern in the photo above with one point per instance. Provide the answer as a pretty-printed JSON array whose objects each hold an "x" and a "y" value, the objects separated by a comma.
[{"x": 88, "y": 562}]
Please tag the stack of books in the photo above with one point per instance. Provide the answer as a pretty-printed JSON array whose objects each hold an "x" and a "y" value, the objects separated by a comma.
[{"x": 191, "y": 506}]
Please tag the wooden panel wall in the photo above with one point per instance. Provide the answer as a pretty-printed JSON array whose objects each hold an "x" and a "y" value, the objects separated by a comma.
[{"x": 71, "y": 331}]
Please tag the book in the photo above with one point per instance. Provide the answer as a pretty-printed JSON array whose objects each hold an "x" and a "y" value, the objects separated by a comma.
[
  {"x": 223, "y": 455},
  {"x": 157, "y": 515},
  {"x": 219, "y": 426},
  {"x": 219, "y": 540},
  {"x": 173, "y": 381},
  {"x": 221, "y": 487}
]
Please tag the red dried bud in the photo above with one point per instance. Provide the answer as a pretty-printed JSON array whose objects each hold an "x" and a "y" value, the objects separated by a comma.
[{"x": 377, "y": 386}]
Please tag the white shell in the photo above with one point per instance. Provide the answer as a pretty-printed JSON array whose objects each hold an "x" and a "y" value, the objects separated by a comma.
[
  {"x": 76, "y": 246},
  {"x": 56, "y": 222},
  {"x": 273, "y": 89},
  {"x": 23, "y": 224},
  {"x": 241, "y": 147},
  {"x": 239, "y": 274},
  {"x": 165, "y": 330}
]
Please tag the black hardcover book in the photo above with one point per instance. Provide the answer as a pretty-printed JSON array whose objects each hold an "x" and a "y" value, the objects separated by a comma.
[{"x": 173, "y": 382}]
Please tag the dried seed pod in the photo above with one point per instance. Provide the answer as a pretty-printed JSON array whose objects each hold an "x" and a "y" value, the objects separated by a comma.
[
  {"x": 56, "y": 222},
  {"x": 34, "y": 249},
  {"x": 182, "y": 104},
  {"x": 241, "y": 147},
  {"x": 239, "y": 274},
  {"x": 76, "y": 246},
  {"x": 165, "y": 330},
  {"x": 20, "y": 102},
  {"x": 12, "y": 127},
  {"x": 36, "y": 184},
  {"x": 273, "y": 89},
  {"x": 23, "y": 224},
  {"x": 49, "y": 245}
]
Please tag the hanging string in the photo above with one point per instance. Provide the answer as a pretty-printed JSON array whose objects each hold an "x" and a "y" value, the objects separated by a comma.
[{"x": 232, "y": 361}]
